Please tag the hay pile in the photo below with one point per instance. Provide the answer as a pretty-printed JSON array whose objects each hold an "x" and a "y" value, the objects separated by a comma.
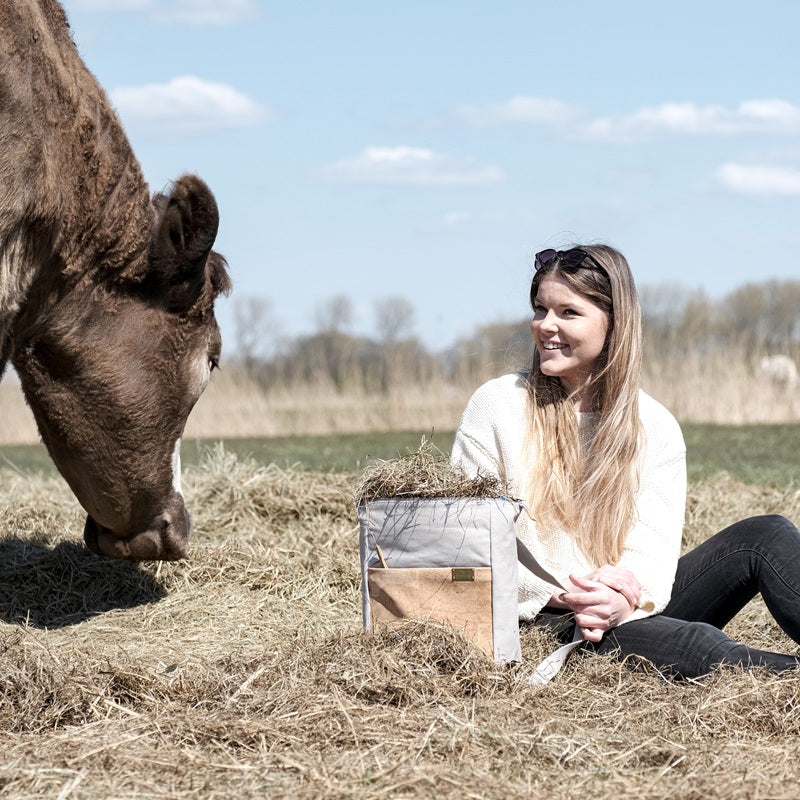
[
  {"x": 243, "y": 672},
  {"x": 424, "y": 473}
]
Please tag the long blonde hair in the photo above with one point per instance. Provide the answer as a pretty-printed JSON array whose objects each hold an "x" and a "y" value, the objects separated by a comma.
[{"x": 589, "y": 489}]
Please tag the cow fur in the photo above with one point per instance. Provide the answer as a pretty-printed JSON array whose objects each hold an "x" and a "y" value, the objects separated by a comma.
[{"x": 106, "y": 294}]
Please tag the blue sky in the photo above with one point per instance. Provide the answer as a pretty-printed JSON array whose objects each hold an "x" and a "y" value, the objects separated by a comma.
[{"x": 428, "y": 149}]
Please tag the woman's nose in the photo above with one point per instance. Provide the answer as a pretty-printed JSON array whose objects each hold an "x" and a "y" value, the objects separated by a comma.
[{"x": 547, "y": 322}]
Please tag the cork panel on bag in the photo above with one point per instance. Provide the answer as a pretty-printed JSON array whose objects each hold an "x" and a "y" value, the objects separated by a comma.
[{"x": 432, "y": 594}]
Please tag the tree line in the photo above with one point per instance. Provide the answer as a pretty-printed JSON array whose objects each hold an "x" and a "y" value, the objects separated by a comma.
[{"x": 753, "y": 320}]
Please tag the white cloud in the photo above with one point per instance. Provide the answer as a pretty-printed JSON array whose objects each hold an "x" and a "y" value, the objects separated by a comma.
[
  {"x": 109, "y": 5},
  {"x": 759, "y": 116},
  {"x": 411, "y": 166},
  {"x": 521, "y": 109},
  {"x": 187, "y": 103},
  {"x": 208, "y": 12},
  {"x": 452, "y": 218},
  {"x": 759, "y": 179},
  {"x": 212, "y": 13},
  {"x": 751, "y": 116}
]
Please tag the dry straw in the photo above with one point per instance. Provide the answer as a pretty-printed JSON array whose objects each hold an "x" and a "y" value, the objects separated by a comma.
[
  {"x": 244, "y": 671},
  {"x": 426, "y": 472}
]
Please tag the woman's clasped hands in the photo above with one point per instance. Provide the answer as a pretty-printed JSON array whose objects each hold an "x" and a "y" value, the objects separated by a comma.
[{"x": 600, "y": 600}]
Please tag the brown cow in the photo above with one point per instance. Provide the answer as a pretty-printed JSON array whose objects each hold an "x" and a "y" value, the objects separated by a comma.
[{"x": 106, "y": 295}]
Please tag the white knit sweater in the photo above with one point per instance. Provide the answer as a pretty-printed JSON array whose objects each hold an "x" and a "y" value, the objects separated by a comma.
[{"x": 490, "y": 440}]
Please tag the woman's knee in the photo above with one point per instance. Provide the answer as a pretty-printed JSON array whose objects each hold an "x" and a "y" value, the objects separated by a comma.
[
  {"x": 776, "y": 523},
  {"x": 763, "y": 529}
]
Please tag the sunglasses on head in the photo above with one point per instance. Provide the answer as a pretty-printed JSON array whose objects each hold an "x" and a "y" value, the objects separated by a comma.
[{"x": 568, "y": 260}]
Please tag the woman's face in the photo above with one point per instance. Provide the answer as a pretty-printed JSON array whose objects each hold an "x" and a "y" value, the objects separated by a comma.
[{"x": 569, "y": 331}]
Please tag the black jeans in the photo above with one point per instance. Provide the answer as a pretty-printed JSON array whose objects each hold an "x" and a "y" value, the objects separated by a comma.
[{"x": 713, "y": 583}]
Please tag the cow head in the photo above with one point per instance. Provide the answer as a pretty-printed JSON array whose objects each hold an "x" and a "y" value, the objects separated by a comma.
[{"x": 112, "y": 368}]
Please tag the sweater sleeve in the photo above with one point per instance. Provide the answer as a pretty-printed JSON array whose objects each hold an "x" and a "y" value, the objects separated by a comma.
[{"x": 652, "y": 547}]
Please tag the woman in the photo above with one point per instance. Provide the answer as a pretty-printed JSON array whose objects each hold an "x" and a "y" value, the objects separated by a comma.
[{"x": 602, "y": 468}]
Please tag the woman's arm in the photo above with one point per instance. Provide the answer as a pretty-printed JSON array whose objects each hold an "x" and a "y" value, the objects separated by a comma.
[{"x": 652, "y": 548}]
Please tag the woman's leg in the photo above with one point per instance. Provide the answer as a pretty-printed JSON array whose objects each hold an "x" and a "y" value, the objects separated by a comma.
[
  {"x": 713, "y": 583},
  {"x": 719, "y": 577},
  {"x": 686, "y": 649}
]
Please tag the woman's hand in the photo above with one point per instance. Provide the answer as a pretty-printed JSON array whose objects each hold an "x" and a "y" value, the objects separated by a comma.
[
  {"x": 620, "y": 579},
  {"x": 597, "y": 607}
]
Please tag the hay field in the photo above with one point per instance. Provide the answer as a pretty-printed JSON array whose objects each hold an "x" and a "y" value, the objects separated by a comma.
[{"x": 243, "y": 671}]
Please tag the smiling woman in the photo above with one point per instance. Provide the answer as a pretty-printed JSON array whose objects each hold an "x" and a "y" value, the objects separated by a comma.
[{"x": 602, "y": 467}]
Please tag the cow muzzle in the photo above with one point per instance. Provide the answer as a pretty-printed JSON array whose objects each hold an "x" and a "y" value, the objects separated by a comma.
[{"x": 166, "y": 538}]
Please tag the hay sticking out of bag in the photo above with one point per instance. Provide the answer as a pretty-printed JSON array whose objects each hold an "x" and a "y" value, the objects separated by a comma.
[{"x": 425, "y": 472}]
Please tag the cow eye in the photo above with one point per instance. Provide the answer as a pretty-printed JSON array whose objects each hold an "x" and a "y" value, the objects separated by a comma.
[{"x": 213, "y": 363}]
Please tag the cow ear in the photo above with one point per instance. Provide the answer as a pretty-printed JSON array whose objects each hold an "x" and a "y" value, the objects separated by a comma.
[{"x": 187, "y": 222}]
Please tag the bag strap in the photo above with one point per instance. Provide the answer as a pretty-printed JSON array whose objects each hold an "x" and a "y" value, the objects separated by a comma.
[
  {"x": 528, "y": 560},
  {"x": 549, "y": 667}
]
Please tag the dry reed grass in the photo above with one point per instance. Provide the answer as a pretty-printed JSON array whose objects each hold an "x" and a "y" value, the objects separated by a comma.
[
  {"x": 234, "y": 406},
  {"x": 724, "y": 389},
  {"x": 720, "y": 390},
  {"x": 244, "y": 672},
  {"x": 18, "y": 425}
]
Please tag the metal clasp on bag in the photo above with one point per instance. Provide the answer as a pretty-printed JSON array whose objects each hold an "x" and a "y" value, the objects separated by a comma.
[{"x": 462, "y": 574}]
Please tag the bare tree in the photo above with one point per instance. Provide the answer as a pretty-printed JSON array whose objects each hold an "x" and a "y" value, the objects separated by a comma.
[
  {"x": 394, "y": 318},
  {"x": 257, "y": 329},
  {"x": 334, "y": 315},
  {"x": 769, "y": 312}
]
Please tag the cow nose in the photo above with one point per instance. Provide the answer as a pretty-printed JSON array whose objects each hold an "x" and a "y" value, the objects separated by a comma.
[{"x": 165, "y": 539}]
